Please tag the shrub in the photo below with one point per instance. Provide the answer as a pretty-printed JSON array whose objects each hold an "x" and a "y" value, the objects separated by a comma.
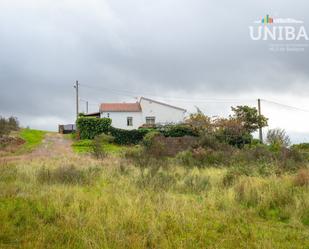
[
  {"x": 230, "y": 178},
  {"x": 232, "y": 131},
  {"x": 207, "y": 140},
  {"x": 98, "y": 145},
  {"x": 199, "y": 122},
  {"x": 291, "y": 159},
  {"x": 302, "y": 177},
  {"x": 89, "y": 127},
  {"x": 136, "y": 156},
  {"x": 177, "y": 131},
  {"x": 67, "y": 174},
  {"x": 301, "y": 146},
  {"x": 259, "y": 152},
  {"x": 8, "y": 125},
  {"x": 186, "y": 158},
  {"x": 148, "y": 139},
  {"x": 153, "y": 145},
  {"x": 201, "y": 157},
  {"x": 128, "y": 136},
  {"x": 278, "y": 136}
]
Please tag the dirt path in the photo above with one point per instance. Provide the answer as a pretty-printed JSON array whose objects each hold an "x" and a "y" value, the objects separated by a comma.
[{"x": 53, "y": 145}]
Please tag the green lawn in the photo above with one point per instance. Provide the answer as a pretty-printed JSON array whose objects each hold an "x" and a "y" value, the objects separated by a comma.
[
  {"x": 84, "y": 146},
  {"x": 32, "y": 138}
]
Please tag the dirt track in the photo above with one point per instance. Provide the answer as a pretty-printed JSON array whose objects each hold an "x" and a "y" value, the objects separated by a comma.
[{"x": 53, "y": 145}]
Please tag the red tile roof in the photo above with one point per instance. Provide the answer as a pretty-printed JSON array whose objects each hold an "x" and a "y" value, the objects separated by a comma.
[{"x": 120, "y": 107}]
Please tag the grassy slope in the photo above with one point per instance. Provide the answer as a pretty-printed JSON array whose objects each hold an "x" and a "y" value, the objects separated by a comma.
[
  {"x": 33, "y": 138},
  {"x": 180, "y": 209}
]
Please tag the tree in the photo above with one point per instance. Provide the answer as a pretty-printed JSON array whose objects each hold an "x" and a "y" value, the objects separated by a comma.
[
  {"x": 278, "y": 137},
  {"x": 199, "y": 122},
  {"x": 8, "y": 125},
  {"x": 231, "y": 131},
  {"x": 249, "y": 118}
]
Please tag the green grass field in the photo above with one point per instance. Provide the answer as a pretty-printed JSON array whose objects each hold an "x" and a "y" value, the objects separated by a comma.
[
  {"x": 85, "y": 146},
  {"x": 33, "y": 138},
  {"x": 79, "y": 202},
  {"x": 76, "y": 201}
]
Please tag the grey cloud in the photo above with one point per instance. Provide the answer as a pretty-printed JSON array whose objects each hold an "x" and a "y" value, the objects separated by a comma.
[{"x": 141, "y": 46}]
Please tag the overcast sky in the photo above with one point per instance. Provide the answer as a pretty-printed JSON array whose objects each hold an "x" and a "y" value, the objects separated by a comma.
[{"x": 183, "y": 52}]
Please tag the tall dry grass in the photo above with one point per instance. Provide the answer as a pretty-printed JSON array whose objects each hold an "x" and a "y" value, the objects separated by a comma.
[{"x": 57, "y": 203}]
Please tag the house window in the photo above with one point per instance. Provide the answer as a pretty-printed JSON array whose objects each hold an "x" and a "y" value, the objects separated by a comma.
[
  {"x": 150, "y": 120},
  {"x": 129, "y": 121}
]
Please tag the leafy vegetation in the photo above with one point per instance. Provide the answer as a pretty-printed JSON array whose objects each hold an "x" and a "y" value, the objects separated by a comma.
[
  {"x": 128, "y": 136},
  {"x": 89, "y": 127},
  {"x": 235, "y": 130},
  {"x": 8, "y": 125},
  {"x": 278, "y": 137}
]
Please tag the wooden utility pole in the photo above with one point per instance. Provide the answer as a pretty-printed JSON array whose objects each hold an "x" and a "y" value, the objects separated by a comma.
[
  {"x": 76, "y": 89},
  {"x": 260, "y": 128},
  {"x": 87, "y": 107}
]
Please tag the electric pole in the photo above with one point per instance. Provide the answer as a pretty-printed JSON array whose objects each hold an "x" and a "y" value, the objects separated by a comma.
[
  {"x": 87, "y": 107},
  {"x": 76, "y": 89},
  {"x": 260, "y": 128}
]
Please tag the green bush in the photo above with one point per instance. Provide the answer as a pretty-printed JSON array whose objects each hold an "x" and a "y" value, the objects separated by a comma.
[
  {"x": 97, "y": 145},
  {"x": 177, "y": 131},
  {"x": 200, "y": 157},
  {"x": 90, "y": 127},
  {"x": 8, "y": 125},
  {"x": 301, "y": 146},
  {"x": 128, "y": 136},
  {"x": 153, "y": 145},
  {"x": 207, "y": 140}
]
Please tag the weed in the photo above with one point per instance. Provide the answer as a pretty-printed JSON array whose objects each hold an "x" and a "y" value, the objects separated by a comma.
[
  {"x": 67, "y": 174},
  {"x": 195, "y": 184},
  {"x": 8, "y": 172},
  {"x": 302, "y": 177}
]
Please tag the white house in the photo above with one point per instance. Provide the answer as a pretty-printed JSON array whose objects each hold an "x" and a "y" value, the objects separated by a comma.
[{"x": 146, "y": 111}]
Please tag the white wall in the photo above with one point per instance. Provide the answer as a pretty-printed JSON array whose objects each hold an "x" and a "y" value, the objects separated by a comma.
[
  {"x": 162, "y": 113},
  {"x": 119, "y": 119}
]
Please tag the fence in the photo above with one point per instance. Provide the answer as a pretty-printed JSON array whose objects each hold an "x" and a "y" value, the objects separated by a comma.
[{"x": 66, "y": 129}]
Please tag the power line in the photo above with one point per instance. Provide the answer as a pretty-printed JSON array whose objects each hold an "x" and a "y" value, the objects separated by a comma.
[
  {"x": 135, "y": 94},
  {"x": 286, "y": 106}
]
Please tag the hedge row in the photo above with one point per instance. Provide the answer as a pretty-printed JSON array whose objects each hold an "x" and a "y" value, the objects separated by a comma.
[
  {"x": 177, "y": 131},
  {"x": 128, "y": 136},
  {"x": 135, "y": 136},
  {"x": 89, "y": 127}
]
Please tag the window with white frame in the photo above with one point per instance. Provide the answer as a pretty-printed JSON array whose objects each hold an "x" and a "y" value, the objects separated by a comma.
[
  {"x": 150, "y": 120},
  {"x": 129, "y": 121}
]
